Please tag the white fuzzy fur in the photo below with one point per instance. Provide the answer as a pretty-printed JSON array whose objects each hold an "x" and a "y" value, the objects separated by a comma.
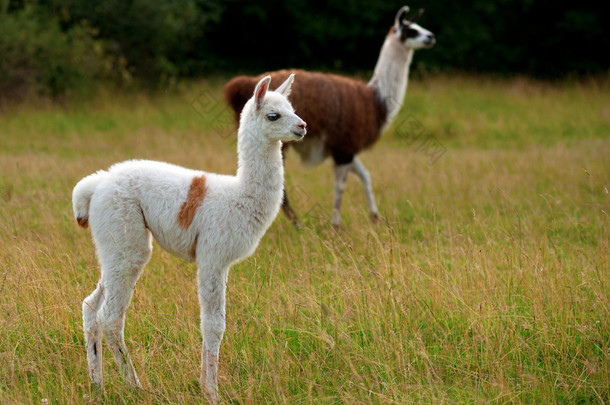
[
  {"x": 391, "y": 74},
  {"x": 137, "y": 200}
]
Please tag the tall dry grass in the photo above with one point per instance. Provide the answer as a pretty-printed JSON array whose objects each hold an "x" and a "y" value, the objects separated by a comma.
[{"x": 486, "y": 282}]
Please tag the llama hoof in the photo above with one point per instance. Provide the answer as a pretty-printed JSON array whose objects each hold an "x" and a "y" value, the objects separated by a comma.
[
  {"x": 375, "y": 217},
  {"x": 97, "y": 389},
  {"x": 136, "y": 385},
  {"x": 97, "y": 382},
  {"x": 95, "y": 395},
  {"x": 211, "y": 395}
]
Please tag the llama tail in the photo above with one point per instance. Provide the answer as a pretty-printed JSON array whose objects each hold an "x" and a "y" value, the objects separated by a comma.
[
  {"x": 237, "y": 92},
  {"x": 81, "y": 196}
]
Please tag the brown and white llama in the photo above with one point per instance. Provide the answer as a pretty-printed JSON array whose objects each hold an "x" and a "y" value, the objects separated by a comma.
[{"x": 345, "y": 116}]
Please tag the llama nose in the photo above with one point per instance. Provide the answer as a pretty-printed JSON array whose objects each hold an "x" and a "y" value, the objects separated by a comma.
[{"x": 302, "y": 126}]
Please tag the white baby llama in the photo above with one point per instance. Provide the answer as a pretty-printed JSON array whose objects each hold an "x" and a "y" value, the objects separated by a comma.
[{"x": 213, "y": 220}]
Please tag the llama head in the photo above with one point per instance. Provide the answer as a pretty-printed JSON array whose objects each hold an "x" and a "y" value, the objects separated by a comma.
[
  {"x": 410, "y": 34},
  {"x": 274, "y": 116}
]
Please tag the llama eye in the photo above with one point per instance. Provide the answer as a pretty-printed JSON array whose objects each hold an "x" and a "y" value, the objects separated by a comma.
[
  {"x": 412, "y": 33},
  {"x": 273, "y": 116},
  {"x": 408, "y": 32}
]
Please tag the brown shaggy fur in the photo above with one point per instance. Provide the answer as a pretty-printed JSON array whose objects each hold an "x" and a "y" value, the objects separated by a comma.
[
  {"x": 347, "y": 110},
  {"x": 194, "y": 199}
]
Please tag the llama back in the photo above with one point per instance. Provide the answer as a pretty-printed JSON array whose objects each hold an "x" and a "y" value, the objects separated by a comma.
[{"x": 347, "y": 108}]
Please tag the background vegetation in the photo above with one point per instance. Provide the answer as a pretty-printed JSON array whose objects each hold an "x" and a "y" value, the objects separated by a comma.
[
  {"x": 486, "y": 282},
  {"x": 58, "y": 46}
]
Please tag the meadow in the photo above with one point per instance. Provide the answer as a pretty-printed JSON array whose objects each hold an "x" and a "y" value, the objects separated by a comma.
[{"x": 487, "y": 279}]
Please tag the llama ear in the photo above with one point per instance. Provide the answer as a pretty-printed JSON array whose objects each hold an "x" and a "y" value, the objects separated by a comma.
[
  {"x": 403, "y": 11},
  {"x": 417, "y": 16},
  {"x": 286, "y": 87},
  {"x": 260, "y": 91}
]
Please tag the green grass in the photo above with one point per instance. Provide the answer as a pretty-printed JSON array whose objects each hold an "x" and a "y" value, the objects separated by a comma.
[{"x": 488, "y": 280}]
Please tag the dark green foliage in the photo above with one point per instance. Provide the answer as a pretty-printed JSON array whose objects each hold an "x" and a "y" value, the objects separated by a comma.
[
  {"x": 158, "y": 39},
  {"x": 37, "y": 56},
  {"x": 541, "y": 38},
  {"x": 49, "y": 45},
  {"x": 312, "y": 34}
]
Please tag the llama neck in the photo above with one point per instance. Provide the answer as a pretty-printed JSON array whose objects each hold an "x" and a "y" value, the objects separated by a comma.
[
  {"x": 260, "y": 171},
  {"x": 391, "y": 76}
]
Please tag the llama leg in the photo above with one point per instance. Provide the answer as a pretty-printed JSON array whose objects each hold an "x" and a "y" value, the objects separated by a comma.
[
  {"x": 365, "y": 178},
  {"x": 212, "y": 283},
  {"x": 292, "y": 216},
  {"x": 93, "y": 335},
  {"x": 124, "y": 248},
  {"x": 341, "y": 172},
  {"x": 112, "y": 318},
  {"x": 288, "y": 211}
]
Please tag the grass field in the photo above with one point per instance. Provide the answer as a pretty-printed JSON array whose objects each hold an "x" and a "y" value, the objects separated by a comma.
[{"x": 487, "y": 280}]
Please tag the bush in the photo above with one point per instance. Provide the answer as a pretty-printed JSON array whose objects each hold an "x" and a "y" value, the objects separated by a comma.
[
  {"x": 157, "y": 39},
  {"x": 51, "y": 46},
  {"x": 39, "y": 58}
]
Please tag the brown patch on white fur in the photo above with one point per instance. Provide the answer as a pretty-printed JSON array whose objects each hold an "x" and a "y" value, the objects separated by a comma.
[
  {"x": 195, "y": 197},
  {"x": 83, "y": 222}
]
